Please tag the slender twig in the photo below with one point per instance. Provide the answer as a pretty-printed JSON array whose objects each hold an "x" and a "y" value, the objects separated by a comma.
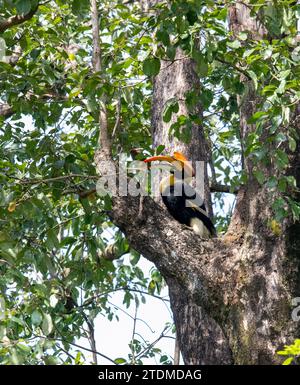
[
  {"x": 133, "y": 335},
  {"x": 162, "y": 335},
  {"x": 135, "y": 84},
  {"x": 55, "y": 179},
  {"x": 130, "y": 316},
  {"x": 77, "y": 346},
  {"x": 87, "y": 193},
  {"x": 67, "y": 220},
  {"x": 235, "y": 67},
  {"x": 65, "y": 351},
  {"x": 118, "y": 119},
  {"x": 91, "y": 300},
  {"x": 64, "y": 117}
]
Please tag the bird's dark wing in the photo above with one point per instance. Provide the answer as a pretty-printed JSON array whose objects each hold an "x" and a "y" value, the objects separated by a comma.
[{"x": 184, "y": 203}]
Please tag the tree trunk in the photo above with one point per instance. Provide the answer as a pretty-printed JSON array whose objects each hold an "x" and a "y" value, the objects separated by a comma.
[
  {"x": 196, "y": 330},
  {"x": 231, "y": 297}
]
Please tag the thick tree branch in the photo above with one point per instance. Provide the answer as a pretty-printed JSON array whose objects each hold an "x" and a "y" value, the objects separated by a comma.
[
  {"x": 218, "y": 187},
  {"x": 104, "y": 140},
  {"x": 91, "y": 337},
  {"x": 6, "y": 110},
  {"x": 16, "y": 20},
  {"x": 175, "y": 249}
]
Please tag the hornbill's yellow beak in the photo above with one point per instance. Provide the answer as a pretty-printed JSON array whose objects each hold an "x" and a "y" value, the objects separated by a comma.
[
  {"x": 178, "y": 158},
  {"x": 166, "y": 158}
]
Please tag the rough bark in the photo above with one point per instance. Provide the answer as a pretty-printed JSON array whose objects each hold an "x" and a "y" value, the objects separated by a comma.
[
  {"x": 173, "y": 82},
  {"x": 6, "y": 110},
  {"x": 231, "y": 297}
]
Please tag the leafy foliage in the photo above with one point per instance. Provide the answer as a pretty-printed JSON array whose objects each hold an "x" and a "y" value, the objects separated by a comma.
[{"x": 293, "y": 351}]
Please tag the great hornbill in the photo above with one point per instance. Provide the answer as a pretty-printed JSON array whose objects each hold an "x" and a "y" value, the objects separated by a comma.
[{"x": 181, "y": 200}]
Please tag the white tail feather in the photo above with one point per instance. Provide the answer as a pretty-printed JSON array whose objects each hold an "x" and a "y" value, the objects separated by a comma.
[{"x": 199, "y": 228}]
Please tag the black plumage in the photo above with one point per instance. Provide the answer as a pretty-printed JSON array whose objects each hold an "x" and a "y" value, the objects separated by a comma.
[{"x": 177, "y": 207}]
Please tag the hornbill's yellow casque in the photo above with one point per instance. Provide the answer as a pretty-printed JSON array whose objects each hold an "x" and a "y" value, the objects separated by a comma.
[{"x": 181, "y": 200}]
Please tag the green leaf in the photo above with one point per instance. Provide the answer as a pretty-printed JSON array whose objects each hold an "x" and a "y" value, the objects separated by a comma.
[
  {"x": 2, "y": 308},
  {"x": 254, "y": 78},
  {"x": 170, "y": 107},
  {"x": 281, "y": 159},
  {"x": 279, "y": 207},
  {"x": 206, "y": 97},
  {"x": 79, "y": 6},
  {"x": 286, "y": 113},
  {"x": 284, "y": 74},
  {"x": 171, "y": 52},
  {"x": 163, "y": 358},
  {"x": 23, "y": 7},
  {"x": 151, "y": 66},
  {"x": 151, "y": 287},
  {"x": 260, "y": 176},
  {"x": 282, "y": 185},
  {"x": 222, "y": 14},
  {"x": 51, "y": 360},
  {"x": 163, "y": 36},
  {"x": 202, "y": 69},
  {"x": 201, "y": 63},
  {"x": 295, "y": 208},
  {"x": 292, "y": 144},
  {"x": 243, "y": 36},
  {"x": 288, "y": 361},
  {"x": 53, "y": 300},
  {"x": 280, "y": 137},
  {"x": 234, "y": 44},
  {"x": 18, "y": 321},
  {"x": 269, "y": 89},
  {"x": 134, "y": 257},
  {"x": 120, "y": 361},
  {"x": 78, "y": 358},
  {"x": 52, "y": 241},
  {"x": 47, "y": 324},
  {"x": 36, "y": 318},
  {"x": 159, "y": 149},
  {"x": 272, "y": 182},
  {"x": 16, "y": 359},
  {"x": 167, "y": 114},
  {"x": 127, "y": 298},
  {"x": 24, "y": 348}
]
